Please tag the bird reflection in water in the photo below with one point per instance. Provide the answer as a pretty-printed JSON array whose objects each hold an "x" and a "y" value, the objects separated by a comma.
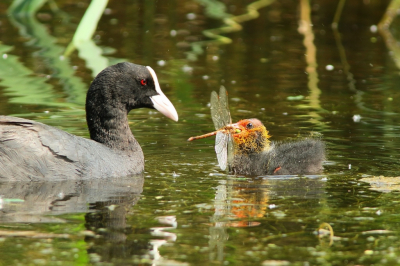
[{"x": 258, "y": 202}]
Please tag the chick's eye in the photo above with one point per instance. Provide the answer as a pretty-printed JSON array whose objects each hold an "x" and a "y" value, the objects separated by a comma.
[
  {"x": 143, "y": 82},
  {"x": 249, "y": 126}
]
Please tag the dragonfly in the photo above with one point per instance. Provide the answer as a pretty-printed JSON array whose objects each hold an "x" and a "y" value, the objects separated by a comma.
[{"x": 221, "y": 117}]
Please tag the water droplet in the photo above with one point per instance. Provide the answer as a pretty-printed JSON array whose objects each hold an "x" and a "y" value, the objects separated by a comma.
[
  {"x": 329, "y": 67},
  {"x": 161, "y": 63},
  {"x": 113, "y": 21},
  {"x": 356, "y": 118},
  {"x": 175, "y": 174},
  {"x": 187, "y": 69},
  {"x": 191, "y": 16}
]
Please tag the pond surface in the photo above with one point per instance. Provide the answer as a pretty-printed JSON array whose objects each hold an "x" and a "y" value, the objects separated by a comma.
[{"x": 342, "y": 82}]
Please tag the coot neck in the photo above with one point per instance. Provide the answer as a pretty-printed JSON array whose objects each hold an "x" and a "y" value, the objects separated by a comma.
[
  {"x": 107, "y": 119},
  {"x": 111, "y": 128}
]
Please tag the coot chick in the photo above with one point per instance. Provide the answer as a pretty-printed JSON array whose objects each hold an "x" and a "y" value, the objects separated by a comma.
[
  {"x": 255, "y": 154},
  {"x": 252, "y": 153},
  {"x": 31, "y": 150}
]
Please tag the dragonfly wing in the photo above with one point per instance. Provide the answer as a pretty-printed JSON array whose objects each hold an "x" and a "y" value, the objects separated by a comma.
[
  {"x": 216, "y": 111},
  {"x": 221, "y": 141},
  {"x": 223, "y": 100},
  {"x": 230, "y": 152},
  {"x": 219, "y": 108}
]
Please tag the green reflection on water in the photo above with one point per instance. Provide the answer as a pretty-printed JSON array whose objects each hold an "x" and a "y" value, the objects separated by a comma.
[
  {"x": 217, "y": 10},
  {"x": 189, "y": 211},
  {"x": 21, "y": 84},
  {"x": 50, "y": 52}
]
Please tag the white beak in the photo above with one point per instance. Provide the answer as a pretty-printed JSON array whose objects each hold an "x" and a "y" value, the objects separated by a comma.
[{"x": 161, "y": 102}]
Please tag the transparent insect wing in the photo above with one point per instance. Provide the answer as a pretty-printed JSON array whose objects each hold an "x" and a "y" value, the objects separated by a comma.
[
  {"x": 223, "y": 99},
  {"x": 219, "y": 109},
  {"x": 230, "y": 151},
  {"x": 221, "y": 143},
  {"x": 221, "y": 117},
  {"x": 215, "y": 111}
]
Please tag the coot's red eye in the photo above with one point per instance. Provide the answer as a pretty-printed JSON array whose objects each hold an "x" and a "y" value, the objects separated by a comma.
[{"x": 143, "y": 82}]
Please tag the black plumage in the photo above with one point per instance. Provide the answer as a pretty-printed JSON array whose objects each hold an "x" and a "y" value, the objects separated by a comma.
[{"x": 295, "y": 157}]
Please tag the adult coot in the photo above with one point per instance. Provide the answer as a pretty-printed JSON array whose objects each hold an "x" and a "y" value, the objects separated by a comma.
[{"x": 31, "y": 150}]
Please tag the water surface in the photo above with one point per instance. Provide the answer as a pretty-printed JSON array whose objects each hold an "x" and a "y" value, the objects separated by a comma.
[{"x": 183, "y": 210}]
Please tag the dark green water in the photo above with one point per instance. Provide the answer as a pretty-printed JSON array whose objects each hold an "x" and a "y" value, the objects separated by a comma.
[{"x": 184, "y": 210}]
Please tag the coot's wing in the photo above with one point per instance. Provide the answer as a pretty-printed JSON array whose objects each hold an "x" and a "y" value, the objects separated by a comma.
[
  {"x": 221, "y": 141},
  {"x": 31, "y": 150},
  {"x": 90, "y": 157},
  {"x": 219, "y": 108},
  {"x": 23, "y": 154}
]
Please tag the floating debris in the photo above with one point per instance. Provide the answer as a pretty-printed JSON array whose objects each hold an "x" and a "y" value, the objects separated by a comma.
[{"x": 383, "y": 183}]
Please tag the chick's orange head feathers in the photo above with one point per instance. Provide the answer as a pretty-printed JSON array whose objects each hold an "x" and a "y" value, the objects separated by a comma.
[
  {"x": 250, "y": 135},
  {"x": 250, "y": 123}
]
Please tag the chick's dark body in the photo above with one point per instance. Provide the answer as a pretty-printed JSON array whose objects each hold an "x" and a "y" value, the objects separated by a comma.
[{"x": 291, "y": 158}]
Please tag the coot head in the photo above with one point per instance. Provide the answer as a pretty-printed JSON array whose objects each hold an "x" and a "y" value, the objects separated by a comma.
[{"x": 114, "y": 92}]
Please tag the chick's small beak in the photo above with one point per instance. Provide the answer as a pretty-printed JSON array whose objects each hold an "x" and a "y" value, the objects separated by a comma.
[
  {"x": 160, "y": 102},
  {"x": 236, "y": 128}
]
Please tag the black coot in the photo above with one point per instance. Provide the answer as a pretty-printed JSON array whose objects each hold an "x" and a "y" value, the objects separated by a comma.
[{"x": 31, "y": 150}]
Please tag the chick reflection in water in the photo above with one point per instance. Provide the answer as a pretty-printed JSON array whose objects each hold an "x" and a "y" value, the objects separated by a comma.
[{"x": 265, "y": 202}]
